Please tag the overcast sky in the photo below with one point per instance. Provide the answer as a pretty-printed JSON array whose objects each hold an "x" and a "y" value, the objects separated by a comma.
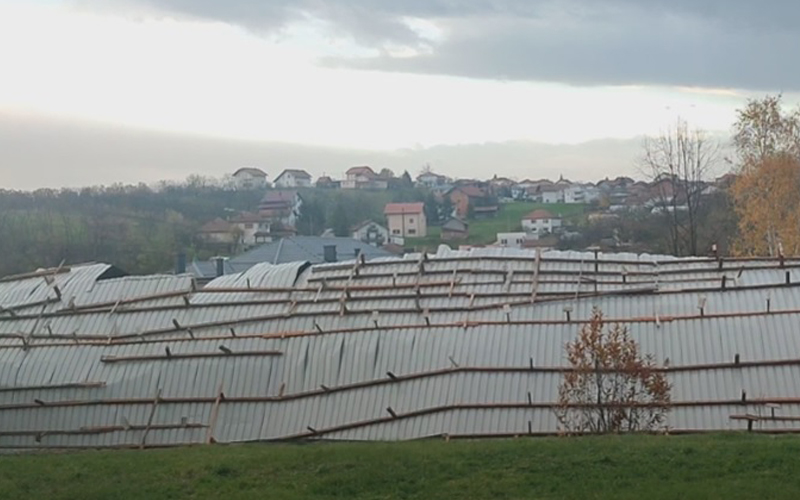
[{"x": 100, "y": 91}]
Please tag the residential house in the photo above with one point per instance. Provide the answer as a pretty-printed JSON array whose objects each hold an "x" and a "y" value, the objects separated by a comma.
[
  {"x": 519, "y": 191},
  {"x": 431, "y": 180},
  {"x": 218, "y": 231},
  {"x": 252, "y": 228},
  {"x": 541, "y": 222},
  {"x": 250, "y": 178},
  {"x": 621, "y": 192},
  {"x": 455, "y": 229},
  {"x": 549, "y": 193},
  {"x": 617, "y": 183},
  {"x": 325, "y": 182},
  {"x": 406, "y": 219},
  {"x": 581, "y": 193},
  {"x": 472, "y": 200},
  {"x": 293, "y": 178},
  {"x": 281, "y": 206},
  {"x": 363, "y": 178},
  {"x": 502, "y": 186},
  {"x": 562, "y": 182},
  {"x": 372, "y": 233}
]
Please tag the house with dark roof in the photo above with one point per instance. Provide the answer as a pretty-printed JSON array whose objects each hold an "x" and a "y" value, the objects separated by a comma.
[
  {"x": 281, "y": 206},
  {"x": 250, "y": 178},
  {"x": 293, "y": 178},
  {"x": 455, "y": 229},
  {"x": 363, "y": 178},
  {"x": 326, "y": 182}
]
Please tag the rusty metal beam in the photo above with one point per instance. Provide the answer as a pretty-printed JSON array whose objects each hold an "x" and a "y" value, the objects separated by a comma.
[
  {"x": 75, "y": 385},
  {"x": 189, "y": 355},
  {"x": 100, "y": 430}
]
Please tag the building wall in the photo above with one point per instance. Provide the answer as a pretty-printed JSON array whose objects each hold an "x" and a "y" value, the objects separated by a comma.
[
  {"x": 511, "y": 240},
  {"x": 289, "y": 180},
  {"x": 454, "y": 235},
  {"x": 460, "y": 203},
  {"x": 227, "y": 238},
  {"x": 246, "y": 180},
  {"x": 248, "y": 230},
  {"x": 552, "y": 197},
  {"x": 363, "y": 182},
  {"x": 541, "y": 225},
  {"x": 410, "y": 225}
]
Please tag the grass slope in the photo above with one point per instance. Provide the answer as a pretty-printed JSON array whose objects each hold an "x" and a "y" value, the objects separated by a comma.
[
  {"x": 727, "y": 467},
  {"x": 484, "y": 232}
]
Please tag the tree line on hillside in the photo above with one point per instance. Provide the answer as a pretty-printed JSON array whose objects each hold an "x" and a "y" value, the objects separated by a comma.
[{"x": 141, "y": 228}]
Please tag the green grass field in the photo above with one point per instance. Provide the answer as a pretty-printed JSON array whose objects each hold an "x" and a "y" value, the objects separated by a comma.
[
  {"x": 729, "y": 467},
  {"x": 483, "y": 232}
]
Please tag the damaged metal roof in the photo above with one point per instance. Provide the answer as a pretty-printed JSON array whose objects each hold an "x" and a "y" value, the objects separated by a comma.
[{"x": 462, "y": 343}]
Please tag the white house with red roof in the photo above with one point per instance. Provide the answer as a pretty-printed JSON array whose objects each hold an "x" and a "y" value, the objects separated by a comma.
[
  {"x": 541, "y": 222},
  {"x": 363, "y": 178}
]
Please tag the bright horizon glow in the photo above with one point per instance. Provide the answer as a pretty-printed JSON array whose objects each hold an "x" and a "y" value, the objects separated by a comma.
[{"x": 208, "y": 78}]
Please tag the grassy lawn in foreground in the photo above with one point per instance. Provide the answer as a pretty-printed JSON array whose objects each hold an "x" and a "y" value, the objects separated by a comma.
[
  {"x": 483, "y": 232},
  {"x": 729, "y": 467}
]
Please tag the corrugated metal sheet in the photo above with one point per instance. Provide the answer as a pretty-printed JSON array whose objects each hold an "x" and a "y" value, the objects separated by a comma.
[{"x": 452, "y": 343}]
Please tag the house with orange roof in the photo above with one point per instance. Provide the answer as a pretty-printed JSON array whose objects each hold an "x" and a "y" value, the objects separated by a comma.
[{"x": 406, "y": 219}]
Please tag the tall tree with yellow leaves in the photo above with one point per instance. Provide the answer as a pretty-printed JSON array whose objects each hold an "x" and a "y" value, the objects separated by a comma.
[{"x": 766, "y": 192}]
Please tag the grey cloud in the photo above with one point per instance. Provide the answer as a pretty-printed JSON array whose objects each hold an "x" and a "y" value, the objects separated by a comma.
[
  {"x": 658, "y": 52},
  {"x": 44, "y": 152},
  {"x": 727, "y": 43}
]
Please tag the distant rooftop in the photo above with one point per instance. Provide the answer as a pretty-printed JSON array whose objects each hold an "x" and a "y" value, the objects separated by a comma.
[
  {"x": 290, "y": 249},
  {"x": 539, "y": 215},
  {"x": 404, "y": 208},
  {"x": 295, "y": 172},
  {"x": 250, "y": 170}
]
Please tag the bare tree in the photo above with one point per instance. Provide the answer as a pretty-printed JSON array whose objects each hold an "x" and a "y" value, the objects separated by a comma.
[
  {"x": 678, "y": 163},
  {"x": 610, "y": 387}
]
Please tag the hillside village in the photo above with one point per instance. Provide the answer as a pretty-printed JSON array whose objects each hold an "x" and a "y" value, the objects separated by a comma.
[{"x": 459, "y": 213}]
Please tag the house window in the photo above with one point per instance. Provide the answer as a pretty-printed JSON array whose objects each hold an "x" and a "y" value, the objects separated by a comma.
[
  {"x": 411, "y": 221},
  {"x": 249, "y": 225},
  {"x": 395, "y": 231},
  {"x": 412, "y": 231},
  {"x": 504, "y": 242}
]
